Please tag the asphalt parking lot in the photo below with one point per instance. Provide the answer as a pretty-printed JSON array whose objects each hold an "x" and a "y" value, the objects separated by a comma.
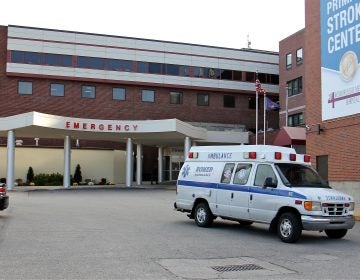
[{"x": 124, "y": 233}]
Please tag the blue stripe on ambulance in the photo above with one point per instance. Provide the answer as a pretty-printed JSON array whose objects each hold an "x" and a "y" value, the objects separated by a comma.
[{"x": 239, "y": 188}]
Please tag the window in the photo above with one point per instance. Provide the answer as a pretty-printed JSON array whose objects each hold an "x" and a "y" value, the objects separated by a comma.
[
  {"x": 288, "y": 61},
  {"x": 299, "y": 56},
  {"x": 175, "y": 97},
  {"x": 263, "y": 172},
  {"x": 17, "y": 57},
  {"x": 295, "y": 86},
  {"x": 296, "y": 120},
  {"x": 184, "y": 71},
  {"x": 57, "y": 90},
  {"x": 242, "y": 174},
  {"x": 119, "y": 65},
  {"x": 25, "y": 87},
  {"x": 147, "y": 95},
  {"x": 226, "y": 74},
  {"x": 199, "y": 72},
  {"x": 237, "y": 75},
  {"x": 227, "y": 172},
  {"x": 90, "y": 62},
  {"x": 202, "y": 99},
  {"x": 229, "y": 101},
  {"x": 212, "y": 73},
  {"x": 252, "y": 103},
  {"x": 250, "y": 76},
  {"x": 155, "y": 68},
  {"x": 88, "y": 92},
  {"x": 172, "y": 69},
  {"x": 32, "y": 58},
  {"x": 58, "y": 60},
  {"x": 143, "y": 67},
  {"x": 119, "y": 94}
]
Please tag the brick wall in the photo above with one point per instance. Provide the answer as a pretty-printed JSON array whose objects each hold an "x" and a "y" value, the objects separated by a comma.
[
  {"x": 340, "y": 138},
  {"x": 290, "y": 45}
]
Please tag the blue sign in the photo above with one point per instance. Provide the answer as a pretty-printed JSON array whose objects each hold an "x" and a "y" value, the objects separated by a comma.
[{"x": 340, "y": 54}]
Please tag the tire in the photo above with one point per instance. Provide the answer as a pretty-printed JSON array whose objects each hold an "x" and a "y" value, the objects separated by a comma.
[
  {"x": 289, "y": 227},
  {"x": 203, "y": 216},
  {"x": 336, "y": 233}
]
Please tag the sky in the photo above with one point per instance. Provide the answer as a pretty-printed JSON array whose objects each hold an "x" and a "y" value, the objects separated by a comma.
[{"x": 222, "y": 23}]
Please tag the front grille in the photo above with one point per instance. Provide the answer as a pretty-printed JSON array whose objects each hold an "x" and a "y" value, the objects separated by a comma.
[
  {"x": 334, "y": 209},
  {"x": 243, "y": 267}
]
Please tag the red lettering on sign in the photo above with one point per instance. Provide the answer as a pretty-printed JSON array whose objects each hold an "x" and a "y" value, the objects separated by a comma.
[
  {"x": 101, "y": 126},
  {"x": 118, "y": 127},
  {"x": 84, "y": 125},
  {"x": 67, "y": 124},
  {"x": 135, "y": 126},
  {"x": 126, "y": 127},
  {"x": 109, "y": 126},
  {"x": 92, "y": 126},
  {"x": 76, "y": 125}
]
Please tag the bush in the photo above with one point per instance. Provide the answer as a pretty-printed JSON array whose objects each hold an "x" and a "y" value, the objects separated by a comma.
[
  {"x": 77, "y": 175},
  {"x": 30, "y": 175},
  {"x": 54, "y": 179}
]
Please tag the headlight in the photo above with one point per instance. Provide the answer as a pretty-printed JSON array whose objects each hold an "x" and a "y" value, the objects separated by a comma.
[
  {"x": 312, "y": 205},
  {"x": 351, "y": 206}
]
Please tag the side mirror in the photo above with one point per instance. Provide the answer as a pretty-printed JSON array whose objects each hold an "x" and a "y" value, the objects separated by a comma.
[{"x": 269, "y": 183}]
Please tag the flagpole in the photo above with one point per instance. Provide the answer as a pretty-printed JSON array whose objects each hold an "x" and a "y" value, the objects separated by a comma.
[
  {"x": 256, "y": 119},
  {"x": 264, "y": 117}
]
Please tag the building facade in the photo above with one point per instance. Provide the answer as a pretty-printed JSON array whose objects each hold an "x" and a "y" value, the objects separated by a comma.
[
  {"x": 332, "y": 87},
  {"x": 92, "y": 77}
]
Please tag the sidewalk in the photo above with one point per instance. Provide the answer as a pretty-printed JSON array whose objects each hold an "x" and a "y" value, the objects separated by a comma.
[{"x": 169, "y": 185}]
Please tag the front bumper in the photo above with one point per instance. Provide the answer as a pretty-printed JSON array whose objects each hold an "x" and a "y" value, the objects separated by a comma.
[
  {"x": 4, "y": 202},
  {"x": 323, "y": 223}
]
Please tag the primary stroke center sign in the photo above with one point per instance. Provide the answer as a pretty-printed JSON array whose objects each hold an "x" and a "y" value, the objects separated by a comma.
[{"x": 340, "y": 54}]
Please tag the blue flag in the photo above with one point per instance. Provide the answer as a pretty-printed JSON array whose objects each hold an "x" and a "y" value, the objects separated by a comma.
[{"x": 271, "y": 105}]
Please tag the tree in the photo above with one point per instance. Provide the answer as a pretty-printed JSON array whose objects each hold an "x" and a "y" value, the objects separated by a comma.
[
  {"x": 77, "y": 174},
  {"x": 30, "y": 175}
]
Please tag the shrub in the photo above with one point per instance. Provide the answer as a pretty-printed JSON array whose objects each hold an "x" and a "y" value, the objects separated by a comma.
[
  {"x": 54, "y": 179},
  {"x": 77, "y": 174},
  {"x": 30, "y": 175}
]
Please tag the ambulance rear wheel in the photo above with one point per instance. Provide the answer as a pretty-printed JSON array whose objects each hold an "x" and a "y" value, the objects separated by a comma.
[
  {"x": 336, "y": 233},
  {"x": 203, "y": 216},
  {"x": 289, "y": 227}
]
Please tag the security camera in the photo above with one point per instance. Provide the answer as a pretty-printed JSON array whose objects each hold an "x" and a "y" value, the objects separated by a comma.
[{"x": 307, "y": 127}]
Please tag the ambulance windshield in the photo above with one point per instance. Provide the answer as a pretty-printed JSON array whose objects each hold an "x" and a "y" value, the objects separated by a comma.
[{"x": 298, "y": 175}]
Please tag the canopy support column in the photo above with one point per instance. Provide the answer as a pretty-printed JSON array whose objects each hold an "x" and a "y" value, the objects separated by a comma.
[
  {"x": 10, "y": 159},
  {"x": 67, "y": 162},
  {"x": 129, "y": 162}
]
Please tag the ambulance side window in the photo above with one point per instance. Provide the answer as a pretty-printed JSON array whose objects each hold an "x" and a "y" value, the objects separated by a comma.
[
  {"x": 227, "y": 172},
  {"x": 264, "y": 171},
  {"x": 242, "y": 174}
]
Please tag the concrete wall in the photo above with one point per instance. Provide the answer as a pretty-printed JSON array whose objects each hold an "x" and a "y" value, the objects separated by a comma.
[{"x": 95, "y": 164}]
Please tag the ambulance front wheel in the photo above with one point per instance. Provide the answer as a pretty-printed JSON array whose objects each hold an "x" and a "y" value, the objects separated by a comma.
[
  {"x": 203, "y": 216},
  {"x": 289, "y": 227}
]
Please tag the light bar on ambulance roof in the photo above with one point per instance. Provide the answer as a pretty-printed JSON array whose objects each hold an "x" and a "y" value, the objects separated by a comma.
[
  {"x": 251, "y": 155},
  {"x": 292, "y": 157},
  {"x": 277, "y": 155},
  {"x": 193, "y": 155},
  {"x": 307, "y": 158}
]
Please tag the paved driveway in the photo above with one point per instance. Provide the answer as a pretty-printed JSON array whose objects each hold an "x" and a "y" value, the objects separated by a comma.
[{"x": 135, "y": 234}]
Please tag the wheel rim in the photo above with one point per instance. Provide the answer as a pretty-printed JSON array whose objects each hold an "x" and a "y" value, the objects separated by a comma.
[
  {"x": 286, "y": 228},
  {"x": 201, "y": 215}
]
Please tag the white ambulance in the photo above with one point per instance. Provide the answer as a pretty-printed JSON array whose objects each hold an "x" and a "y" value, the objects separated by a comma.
[{"x": 264, "y": 184}]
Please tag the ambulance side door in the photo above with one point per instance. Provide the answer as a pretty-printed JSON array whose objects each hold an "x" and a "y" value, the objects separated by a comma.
[
  {"x": 264, "y": 195},
  {"x": 223, "y": 193},
  {"x": 240, "y": 194}
]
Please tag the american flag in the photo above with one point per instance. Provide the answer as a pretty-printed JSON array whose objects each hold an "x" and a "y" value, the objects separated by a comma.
[{"x": 258, "y": 86}]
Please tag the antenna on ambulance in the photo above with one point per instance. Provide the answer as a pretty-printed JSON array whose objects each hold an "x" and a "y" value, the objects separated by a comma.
[{"x": 248, "y": 41}]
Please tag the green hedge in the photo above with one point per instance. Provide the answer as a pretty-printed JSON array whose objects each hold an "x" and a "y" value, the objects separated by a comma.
[{"x": 54, "y": 179}]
